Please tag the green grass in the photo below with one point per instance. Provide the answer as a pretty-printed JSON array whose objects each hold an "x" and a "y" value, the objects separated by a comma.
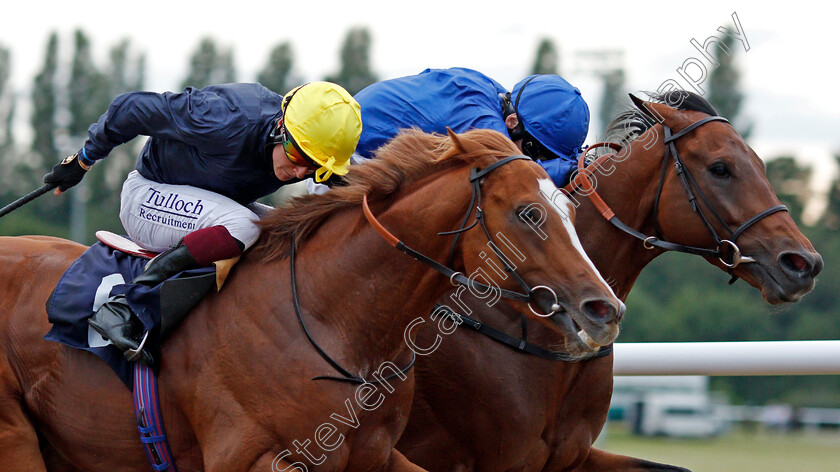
[{"x": 739, "y": 450}]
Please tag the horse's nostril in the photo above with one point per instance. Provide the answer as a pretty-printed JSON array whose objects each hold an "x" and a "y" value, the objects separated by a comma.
[
  {"x": 796, "y": 263},
  {"x": 600, "y": 310}
]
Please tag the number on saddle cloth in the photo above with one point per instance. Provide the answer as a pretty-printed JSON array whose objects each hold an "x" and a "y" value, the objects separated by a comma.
[{"x": 102, "y": 272}]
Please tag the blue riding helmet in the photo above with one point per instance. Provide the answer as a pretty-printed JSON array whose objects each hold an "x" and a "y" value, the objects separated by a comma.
[{"x": 553, "y": 112}]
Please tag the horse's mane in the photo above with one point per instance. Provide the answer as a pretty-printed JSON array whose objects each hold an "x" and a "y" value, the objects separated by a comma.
[
  {"x": 409, "y": 157},
  {"x": 630, "y": 124}
]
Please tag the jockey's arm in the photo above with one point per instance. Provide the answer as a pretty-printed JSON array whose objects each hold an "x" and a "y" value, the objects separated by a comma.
[{"x": 193, "y": 116}]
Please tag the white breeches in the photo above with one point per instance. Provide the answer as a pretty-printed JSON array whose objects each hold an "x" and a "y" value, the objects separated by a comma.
[{"x": 156, "y": 216}]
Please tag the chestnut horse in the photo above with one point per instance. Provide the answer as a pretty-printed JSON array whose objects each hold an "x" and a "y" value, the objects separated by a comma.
[
  {"x": 242, "y": 387},
  {"x": 481, "y": 406}
]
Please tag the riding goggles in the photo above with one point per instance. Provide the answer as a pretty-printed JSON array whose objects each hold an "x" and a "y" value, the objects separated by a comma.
[{"x": 279, "y": 135}]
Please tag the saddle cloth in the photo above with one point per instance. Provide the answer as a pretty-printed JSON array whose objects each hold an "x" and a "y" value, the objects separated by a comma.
[{"x": 100, "y": 273}]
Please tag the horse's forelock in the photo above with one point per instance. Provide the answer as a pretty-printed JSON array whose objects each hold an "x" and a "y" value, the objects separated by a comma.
[{"x": 684, "y": 100}]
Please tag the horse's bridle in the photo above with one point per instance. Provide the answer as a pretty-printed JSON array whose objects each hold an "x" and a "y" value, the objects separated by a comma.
[
  {"x": 457, "y": 277},
  {"x": 584, "y": 184}
]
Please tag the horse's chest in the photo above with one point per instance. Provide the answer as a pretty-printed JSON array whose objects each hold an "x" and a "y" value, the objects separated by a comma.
[{"x": 351, "y": 429}]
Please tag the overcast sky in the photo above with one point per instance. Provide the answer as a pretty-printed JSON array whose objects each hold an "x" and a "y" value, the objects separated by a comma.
[{"x": 789, "y": 73}]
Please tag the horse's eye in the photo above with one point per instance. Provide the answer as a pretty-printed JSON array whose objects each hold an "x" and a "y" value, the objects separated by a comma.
[
  {"x": 720, "y": 170},
  {"x": 529, "y": 215}
]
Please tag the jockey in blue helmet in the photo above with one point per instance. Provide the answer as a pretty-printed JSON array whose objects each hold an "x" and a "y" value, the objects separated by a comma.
[
  {"x": 544, "y": 115},
  {"x": 549, "y": 120}
]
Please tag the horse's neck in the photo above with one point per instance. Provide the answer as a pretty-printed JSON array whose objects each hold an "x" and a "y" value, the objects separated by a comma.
[
  {"x": 357, "y": 293},
  {"x": 386, "y": 287},
  {"x": 630, "y": 192}
]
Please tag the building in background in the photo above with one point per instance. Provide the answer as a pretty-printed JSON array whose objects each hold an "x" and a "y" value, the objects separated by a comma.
[{"x": 676, "y": 406}]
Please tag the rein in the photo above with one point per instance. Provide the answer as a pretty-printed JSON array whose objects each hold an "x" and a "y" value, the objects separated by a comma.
[
  {"x": 582, "y": 183},
  {"x": 454, "y": 276},
  {"x": 346, "y": 376}
]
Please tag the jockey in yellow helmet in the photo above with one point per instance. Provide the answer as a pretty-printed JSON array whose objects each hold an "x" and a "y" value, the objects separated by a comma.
[{"x": 211, "y": 153}]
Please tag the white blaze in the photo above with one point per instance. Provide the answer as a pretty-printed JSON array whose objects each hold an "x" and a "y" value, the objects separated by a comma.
[{"x": 558, "y": 198}]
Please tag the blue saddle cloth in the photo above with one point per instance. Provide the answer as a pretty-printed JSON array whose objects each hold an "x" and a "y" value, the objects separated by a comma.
[{"x": 100, "y": 273}]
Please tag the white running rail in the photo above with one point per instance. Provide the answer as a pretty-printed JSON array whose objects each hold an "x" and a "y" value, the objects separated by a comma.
[{"x": 728, "y": 358}]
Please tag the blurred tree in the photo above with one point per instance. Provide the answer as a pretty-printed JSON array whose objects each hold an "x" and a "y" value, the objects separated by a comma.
[
  {"x": 8, "y": 143},
  {"x": 123, "y": 73},
  {"x": 666, "y": 304},
  {"x": 88, "y": 90},
  {"x": 140, "y": 72},
  {"x": 277, "y": 73},
  {"x": 7, "y": 105},
  {"x": 118, "y": 68},
  {"x": 613, "y": 96},
  {"x": 791, "y": 183},
  {"x": 355, "y": 73},
  {"x": 547, "y": 60},
  {"x": 44, "y": 120},
  {"x": 830, "y": 218},
  {"x": 210, "y": 65},
  {"x": 725, "y": 85},
  {"x": 44, "y": 109},
  {"x": 88, "y": 96}
]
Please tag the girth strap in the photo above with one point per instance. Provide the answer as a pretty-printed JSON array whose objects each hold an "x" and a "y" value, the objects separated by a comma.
[{"x": 149, "y": 420}]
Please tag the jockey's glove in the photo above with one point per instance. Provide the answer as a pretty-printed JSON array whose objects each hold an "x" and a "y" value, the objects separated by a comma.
[{"x": 67, "y": 173}]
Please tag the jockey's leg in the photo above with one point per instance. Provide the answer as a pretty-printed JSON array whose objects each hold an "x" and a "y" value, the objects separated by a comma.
[
  {"x": 198, "y": 249},
  {"x": 116, "y": 321},
  {"x": 147, "y": 212}
]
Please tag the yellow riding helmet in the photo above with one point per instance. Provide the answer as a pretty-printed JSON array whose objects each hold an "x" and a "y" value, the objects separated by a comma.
[{"x": 325, "y": 121}]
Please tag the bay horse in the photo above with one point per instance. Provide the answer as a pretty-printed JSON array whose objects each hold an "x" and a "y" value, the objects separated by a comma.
[
  {"x": 510, "y": 411},
  {"x": 244, "y": 384}
]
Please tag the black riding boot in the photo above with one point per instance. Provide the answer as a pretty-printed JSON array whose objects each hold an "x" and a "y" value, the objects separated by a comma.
[
  {"x": 116, "y": 322},
  {"x": 165, "y": 265}
]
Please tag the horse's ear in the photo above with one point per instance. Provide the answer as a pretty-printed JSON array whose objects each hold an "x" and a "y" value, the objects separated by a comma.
[
  {"x": 464, "y": 144},
  {"x": 640, "y": 104},
  {"x": 454, "y": 137},
  {"x": 659, "y": 112}
]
